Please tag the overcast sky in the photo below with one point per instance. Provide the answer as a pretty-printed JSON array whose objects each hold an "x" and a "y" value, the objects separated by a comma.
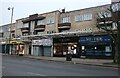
[{"x": 24, "y": 8}]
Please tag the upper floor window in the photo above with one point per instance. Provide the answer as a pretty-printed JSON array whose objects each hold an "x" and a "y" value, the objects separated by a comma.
[
  {"x": 1, "y": 30},
  {"x": 78, "y": 18},
  {"x": 25, "y": 34},
  {"x": 87, "y": 17},
  {"x": 104, "y": 14},
  {"x": 41, "y": 22},
  {"x": 19, "y": 25},
  {"x": 109, "y": 14},
  {"x": 115, "y": 7},
  {"x": 65, "y": 19},
  {"x": 84, "y": 17},
  {"x": 49, "y": 31},
  {"x": 50, "y": 21},
  {"x": 6, "y": 29},
  {"x": 114, "y": 25},
  {"x": 26, "y": 25}
]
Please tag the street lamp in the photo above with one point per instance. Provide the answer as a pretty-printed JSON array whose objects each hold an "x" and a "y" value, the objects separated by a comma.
[{"x": 12, "y": 9}]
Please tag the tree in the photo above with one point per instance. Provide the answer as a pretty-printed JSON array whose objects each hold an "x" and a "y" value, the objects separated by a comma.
[
  {"x": 116, "y": 18},
  {"x": 118, "y": 41},
  {"x": 105, "y": 22}
]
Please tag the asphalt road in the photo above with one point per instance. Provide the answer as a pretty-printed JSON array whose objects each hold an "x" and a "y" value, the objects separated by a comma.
[{"x": 21, "y": 66}]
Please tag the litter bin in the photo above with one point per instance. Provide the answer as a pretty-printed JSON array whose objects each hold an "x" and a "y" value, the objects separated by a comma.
[{"x": 68, "y": 57}]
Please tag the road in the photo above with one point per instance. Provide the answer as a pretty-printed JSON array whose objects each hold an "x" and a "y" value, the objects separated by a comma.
[{"x": 22, "y": 66}]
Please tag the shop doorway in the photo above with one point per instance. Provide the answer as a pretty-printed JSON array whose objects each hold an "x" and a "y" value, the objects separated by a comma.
[
  {"x": 29, "y": 50},
  {"x": 42, "y": 50},
  {"x": 83, "y": 52}
]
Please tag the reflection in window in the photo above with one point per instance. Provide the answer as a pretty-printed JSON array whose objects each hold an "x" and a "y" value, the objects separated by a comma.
[
  {"x": 114, "y": 25},
  {"x": 19, "y": 25},
  {"x": 65, "y": 19},
  {"x": 40, "y": 22},
  {"x": 84, "y": 17},
  {"x": 83, "y": 47},
  {"x": 108, "y": 49},
  {"x": 26, "y": 25},
  {"x": 50, "y": 21}
]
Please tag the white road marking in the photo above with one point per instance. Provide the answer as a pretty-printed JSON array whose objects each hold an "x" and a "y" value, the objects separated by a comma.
[{"x": 35, "y": 74}]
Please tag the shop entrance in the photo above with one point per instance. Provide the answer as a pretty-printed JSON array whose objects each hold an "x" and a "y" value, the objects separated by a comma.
[
  {"x": 29, "y": 50},
  {"x": 41, "y": 50}
]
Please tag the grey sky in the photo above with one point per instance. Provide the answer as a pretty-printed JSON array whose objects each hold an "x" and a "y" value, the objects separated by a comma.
[{"x": 24, "y": 8}]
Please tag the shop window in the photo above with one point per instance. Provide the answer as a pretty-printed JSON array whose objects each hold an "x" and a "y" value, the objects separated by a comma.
[
  {"x": 83, "y": 47},
  {"x": 74, "y": 51},
  {"x": 72, "y": 47},
  {"x": 108, "y": 49},
  {"x": 95, "y": 48}
]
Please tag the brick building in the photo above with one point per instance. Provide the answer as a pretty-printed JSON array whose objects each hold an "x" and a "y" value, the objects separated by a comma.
[{"x": 58, "y": 32}]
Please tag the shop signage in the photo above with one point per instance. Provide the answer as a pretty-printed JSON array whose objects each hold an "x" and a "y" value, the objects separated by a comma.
[
  {"x": 47, "y": 42},
  {"x": 44, "y": 42},
  {"x": 14, "y": 42},
  {"x": 36, "y": 42},
  {"x": 65, "y": 39},
  {"x": 95, "y": 39}
]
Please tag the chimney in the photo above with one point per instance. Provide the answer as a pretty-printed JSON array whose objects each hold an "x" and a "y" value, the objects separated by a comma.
[{"x": 63, "y": 10}]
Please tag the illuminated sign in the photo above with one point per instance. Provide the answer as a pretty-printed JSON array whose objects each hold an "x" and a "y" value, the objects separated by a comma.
[{"x": 95, "y": 39}]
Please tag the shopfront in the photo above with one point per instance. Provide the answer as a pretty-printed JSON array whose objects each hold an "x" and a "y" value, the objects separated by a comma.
[
  {"x": 42, "y": 47},
  {"x": 61, "y": 46},
  {"x": 2, "y": 46},
  {"x": 11, "y": 47},
  {"x": 96, "y": 46}
]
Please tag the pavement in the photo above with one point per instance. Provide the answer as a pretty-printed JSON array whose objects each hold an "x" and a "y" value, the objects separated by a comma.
[{"x": 84, "y": 61}]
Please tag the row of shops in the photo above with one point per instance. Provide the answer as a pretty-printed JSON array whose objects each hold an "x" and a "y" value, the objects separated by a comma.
[
  {"x": 99, "y": 46},
  {"x": 12, "y": 47},
  {"x": 85, "y": 46}
]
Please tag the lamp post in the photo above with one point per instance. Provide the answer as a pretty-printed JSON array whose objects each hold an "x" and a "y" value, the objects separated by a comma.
[{"x": 12, "y": 9}]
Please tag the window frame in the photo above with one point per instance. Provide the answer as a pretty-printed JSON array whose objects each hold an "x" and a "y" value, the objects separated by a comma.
[
  {"x": 84, "y": 17},
  {"x": 41, "y": 22},
  {"x": 25, "y": 25},
  {"x": 65, "y": 19},
  {"x": 50, "y": 21}
]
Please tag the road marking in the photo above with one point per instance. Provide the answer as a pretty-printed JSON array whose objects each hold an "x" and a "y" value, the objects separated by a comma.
[{"x": 36, "y": 74}]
